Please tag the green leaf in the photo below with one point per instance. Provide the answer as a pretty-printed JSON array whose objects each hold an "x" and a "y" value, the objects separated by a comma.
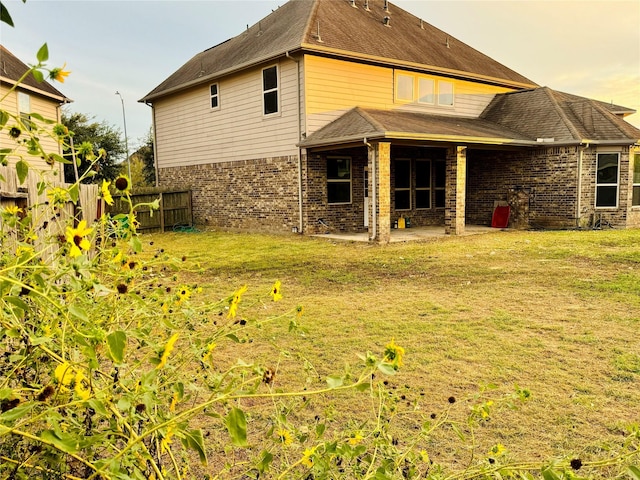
[
  {"x": 4, "y": 118},
  {"x": 117, "y": 341},
  {"x": 266, "y": 460},
  {"x": 17, "y": 302},
  {"x": 64, "y": 442},
  {"x": 74, "y": 192},
  {"x": 634, "y": 472},
  {"x": 233, "y": 338},
  {"x": 458, "y": 432},
  {"x": 550, "y": 474},
  {"x": 193, "y": 439},
  {"x": 43, "y": 53},
  {"x": 16, "y": 413},
  {"x": 236, "y": 424},
  {"x": 22, "y": 169},
  {"x": 78, "y": 312},
  {"x": 136, "y": 244},
  {"x": 4, "y": 16},
  {"x": 38, "y": 75},
  {"x": 334, "y": 381},
  {"x": 387, "y": 369}
]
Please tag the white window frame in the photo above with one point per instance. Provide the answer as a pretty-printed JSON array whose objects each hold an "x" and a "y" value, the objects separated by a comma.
[
  {"x": 340, "y": 180},
  {"x": 215, "y": 96},
  {"x": 430, "y": 97},
  {"x": 442, "y": 83},
  {"x": 608, "y": 184},
  {"x": 635, "y": 172},
  {"x": 397, "y": 189},
  {"x": 266, "y": 91},
  {"x": 404, "y": 81},
  {"x": 429, "y": 186}
]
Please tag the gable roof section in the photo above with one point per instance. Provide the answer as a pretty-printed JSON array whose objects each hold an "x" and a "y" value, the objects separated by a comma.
[
  {"x": 12, "y": 69},
  {"x": 344, "y": 32},
  {"x": 526, "y": 118},
  {"x": 559, "y": 117}
]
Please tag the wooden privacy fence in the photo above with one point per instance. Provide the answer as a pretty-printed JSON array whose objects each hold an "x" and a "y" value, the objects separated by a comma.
[
  {"x": 32, "y": 195},
  {"x": 175, "y": 210}
]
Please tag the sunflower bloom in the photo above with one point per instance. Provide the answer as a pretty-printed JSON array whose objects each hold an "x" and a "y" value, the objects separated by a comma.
[
  {"x": 307, "y": 457},
  {"x": 82, "y": 388},
  {"x": 166, "y": 440},
  {"x": 276, "y": 292},
  {"x": 497, "y": 450},
  {"x": 174, "y": 402},
  {"x": 183, "y": 294},
  {"x": 106, "y": 194},
  {"x": 76, "y": 239},
  {"x": 285, "y": 437},
  {"x": 235, "y": 300},
  {"x": 59, "y": 74},
  {"x": 393, "y": 353},
  {"x": 64, "y": 374},
  {"x": 168, "y": 348},
  {"x": 206, "y": 356},
  {"x": 355, "y": 439}
]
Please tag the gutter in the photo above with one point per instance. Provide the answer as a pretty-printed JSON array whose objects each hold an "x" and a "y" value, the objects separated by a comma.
[{"x": 60, "y": 98}]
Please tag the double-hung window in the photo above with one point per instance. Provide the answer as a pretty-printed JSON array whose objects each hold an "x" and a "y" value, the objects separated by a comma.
[
  {"x": 338, "y": 180},
  {"x": 426, "y": 91},
  {"x": 608, "y": 167},
  {"x": 445, "y": 93},
  {"x": 439, "y": 182},
  {"x": 402, "y": 184},
  {"x": 635, "y": 201},
  {"x": 270, "y": 102},
  {"x": 215, "y": 96},
  {"x": 405, "y": 88}
]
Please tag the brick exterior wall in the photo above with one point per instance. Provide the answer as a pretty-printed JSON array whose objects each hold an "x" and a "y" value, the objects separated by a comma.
[
  {"x": 540, "y": 185},
  {"x": 259, "y": 194}
]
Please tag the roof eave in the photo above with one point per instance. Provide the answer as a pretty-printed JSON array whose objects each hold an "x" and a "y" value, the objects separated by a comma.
[
  {"x": 214, "y": 76},
  {"x": 60, "y": 98},
  {"x": 309, "y": 48}
]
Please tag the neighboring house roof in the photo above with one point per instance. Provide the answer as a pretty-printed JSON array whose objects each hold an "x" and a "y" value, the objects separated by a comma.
[
  {"x": 334, "y": 27},
  {"x": 523, "y": 118},
  {"x": 12, "y": 69}
]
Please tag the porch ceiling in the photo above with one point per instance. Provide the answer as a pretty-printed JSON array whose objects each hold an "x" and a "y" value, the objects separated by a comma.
[{"x": 370, "y": 124}]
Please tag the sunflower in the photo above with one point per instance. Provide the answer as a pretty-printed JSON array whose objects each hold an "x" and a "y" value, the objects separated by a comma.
[{"x": 76, "y": 237}]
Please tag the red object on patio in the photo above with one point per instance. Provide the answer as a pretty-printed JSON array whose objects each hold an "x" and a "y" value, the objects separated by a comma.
[{"x": 500, "y": 217}]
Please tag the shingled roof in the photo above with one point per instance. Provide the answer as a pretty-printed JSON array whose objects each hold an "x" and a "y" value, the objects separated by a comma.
[
  {"x": 335, "y": 27},
  {"x": 12, "y": 69},
  {"x": 523, "y": 118}
]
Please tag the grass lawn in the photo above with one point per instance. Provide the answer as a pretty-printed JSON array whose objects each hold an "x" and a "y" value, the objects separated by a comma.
[{"x": 556, "y": 312}]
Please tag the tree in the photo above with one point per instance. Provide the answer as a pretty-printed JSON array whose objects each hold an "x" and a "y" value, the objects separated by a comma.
[
  {"x": 100, "y": 136},
  {"x": 146, "y": 154}
]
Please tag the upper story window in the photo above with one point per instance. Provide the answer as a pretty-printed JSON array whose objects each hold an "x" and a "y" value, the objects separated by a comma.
[
  {"x": 423, "y": 90},
  {"x": 426, "y": 91},
  {"x": 215, "y": 96},
  {"x": 405, "y": 88},
  {"x": 445, "y": 93},
  {"x": 338, "y": 180},
  {"x": 24, "y": 108},
  {"x": 270, "y": 102},
  {"x": 607, "y": 174},
  {"x": 635, "y": 200}
]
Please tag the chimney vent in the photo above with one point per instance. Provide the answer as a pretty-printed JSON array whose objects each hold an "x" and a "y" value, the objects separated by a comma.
[
  {"x": 366, "y": 5},
  {"x": 386, "y": 21},
  {"x": 386, "y": 6}
]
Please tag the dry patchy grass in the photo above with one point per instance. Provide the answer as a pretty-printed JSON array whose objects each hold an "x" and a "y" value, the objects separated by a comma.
[{"x": 555, "y": 312}]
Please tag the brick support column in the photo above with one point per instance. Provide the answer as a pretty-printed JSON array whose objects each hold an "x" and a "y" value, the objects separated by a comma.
[
  {"x": 380, "y": 190},
  {"x": 456, "y": 185}
]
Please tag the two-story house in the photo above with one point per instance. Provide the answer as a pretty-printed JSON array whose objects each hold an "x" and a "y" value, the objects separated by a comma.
[
  {"x": 29, "y": 97},
  {"x": 345, "y": 115}
]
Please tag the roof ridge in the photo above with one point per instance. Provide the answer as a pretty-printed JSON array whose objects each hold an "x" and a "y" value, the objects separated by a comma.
[
  {"x": 568, "y": 123},
  {"x": 307, "y": 28},
  {"x": 607, "y": 114},
  {"x": 364, "y": 114}
]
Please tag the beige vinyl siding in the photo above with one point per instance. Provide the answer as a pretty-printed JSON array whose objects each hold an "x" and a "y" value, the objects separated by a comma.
[
  {"x": 48, "y": 109},
  {"x": 189, "y": 132},
  {"x": 332, "y": 87}
]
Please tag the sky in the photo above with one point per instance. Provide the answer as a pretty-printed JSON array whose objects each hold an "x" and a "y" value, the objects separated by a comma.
[{"x": 589, "y": 48}]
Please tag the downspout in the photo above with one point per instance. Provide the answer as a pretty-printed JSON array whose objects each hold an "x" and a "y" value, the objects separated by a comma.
[
  {"x": 155, "y": 149},
  {"x": 579, "y": 183},
  {"x": 300, "y": 204},
  {"x": 373, "y": 203}
]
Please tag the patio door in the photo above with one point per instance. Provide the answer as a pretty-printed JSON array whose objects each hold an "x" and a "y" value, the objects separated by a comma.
[{"x": 366, "y": 196}]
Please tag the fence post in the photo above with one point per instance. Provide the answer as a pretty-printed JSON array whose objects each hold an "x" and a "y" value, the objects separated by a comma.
[{"x": 161, "y": 214}]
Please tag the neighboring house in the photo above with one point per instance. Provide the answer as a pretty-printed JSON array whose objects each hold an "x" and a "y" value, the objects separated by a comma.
[
  {"x": 29, "y": 97},
  {"x": 343, "y": 116}
]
